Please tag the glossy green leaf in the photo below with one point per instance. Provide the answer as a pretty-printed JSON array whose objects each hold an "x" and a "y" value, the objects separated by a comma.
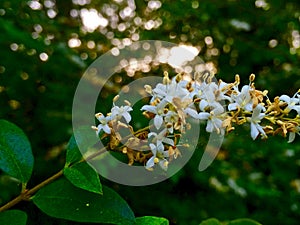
[
  {"x": 244, "y": 222},
  {"x": 79, "y": 143},
  {"x": 211, "y": 221},
  {"x": 16, "y": 157},
  {"x": 82, "y": 175},
  {"x": 13, "y": 217},
  {"x": 151, "y": 220},
  {"x": 61, "y": 199}
]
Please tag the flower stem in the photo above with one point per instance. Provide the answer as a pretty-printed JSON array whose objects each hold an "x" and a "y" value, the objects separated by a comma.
[{"x": 26, "y": 194}]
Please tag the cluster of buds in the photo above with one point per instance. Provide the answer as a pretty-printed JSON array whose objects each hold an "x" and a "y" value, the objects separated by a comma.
[{"x": 221, "y": 105}]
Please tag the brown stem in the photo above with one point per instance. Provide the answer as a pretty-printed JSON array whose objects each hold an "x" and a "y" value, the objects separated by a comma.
[{"x": 25, "y": 195}]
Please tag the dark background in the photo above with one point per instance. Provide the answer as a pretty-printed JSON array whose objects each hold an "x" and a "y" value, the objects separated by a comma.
[{"x": 258, "y": 37}]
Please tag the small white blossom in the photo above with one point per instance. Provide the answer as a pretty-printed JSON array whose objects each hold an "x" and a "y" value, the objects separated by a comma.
[
  {"x": 213, "y": 122},
  {"x": 292, "y": 103},
  {"x": 256, "y": 118},
  {"x": 161, "y": 137},
  {"x": 168, "y": 91},
  {"x": 159, "y": 156},
  {"x": 158, "y": 110},
  {"x": 242, "y": 100},
  {"x": 208, "y": 96},
  {"x": 103, "y": 123},
  {"x": 123, "y": 111}
]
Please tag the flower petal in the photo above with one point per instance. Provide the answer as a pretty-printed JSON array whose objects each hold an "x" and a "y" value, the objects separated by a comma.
[
  {"x": 232, "y": 106},
  {"x": 285, "y": 98},
  {"x": 203, "y": 115},
  {"x": 254, "y": 131},
  {"x": 291, "y": 137},
  {"x": 127, "y": 116},
  {"x": 158, "y": 120},
  {"x": 150, "y": 162},
  {"x": 192, "y": 112}
]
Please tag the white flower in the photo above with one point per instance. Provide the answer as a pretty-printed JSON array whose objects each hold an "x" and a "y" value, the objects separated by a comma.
[
  {"x": 255, "y": 119},
  {"x": 159, "y": 156},
  {"x": 292, "y": 135},
  {"x": 158, "y": 110},
  {"x": 171, "y": 118},
  {"x": 119, "y": 112},
  {"x": 208, "y": 96},
  {"x": 213, "y": 122},
  {"x": 223, "y": 88},
  {"x": 161, "y": 137},
  {"x": 103, "y": 123},
  {"x": 169, "y": 91},
  {"x": 242, "y": 100},
  {"x": 292, "y": 103}
]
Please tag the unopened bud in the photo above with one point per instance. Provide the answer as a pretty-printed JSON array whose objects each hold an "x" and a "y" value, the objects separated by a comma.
[
  {"x": 265, "y": 92},
  {"x": 178, "y": 77},
  {"x": 94, "y": 128},
  {"x": 166, "y": 79},
  {"x": 116, "y": 98},
  {"x": 127, "y": 102},
  {"x": 124, "y": 150},
  {"x": 237, "y": 78},
  {"x": 148, "y": 89},
  {"x": 98, "y": 115},
  {"x": 252, "y": 77}
]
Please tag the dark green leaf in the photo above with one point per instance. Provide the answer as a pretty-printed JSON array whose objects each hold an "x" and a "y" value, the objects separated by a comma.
[
  {"x": 79, "y": 143},
  {"x": 62, "y": 199},
  {"x": 82, "y": 175},
  {"x": 16, "y": 157},
  {"x": 151, "y": 220},
  {"x": 13, "y": 217},
  {"x": 211, "y": 221},
  {"x": 244, "y": 222}
]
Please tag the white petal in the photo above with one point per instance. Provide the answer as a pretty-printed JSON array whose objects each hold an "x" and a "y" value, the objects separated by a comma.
[
  {"x": 192, "y": 112},
  {"x": 203, "y": 116},
  {"x": 232, "y": 106},
  {"x": 291, "y": 137},
  {"x": 150, "y": 162},
  {"x": 256, "y": 112},
  {"x": 127, "y": 108},
  {"x": 106, "y": 129},
  {"x": 209, "y": 127},
  {"x": 285, "y": 98},
  {"x": 297, "y": 108},
  {"x": 168, "y": 141},
  {"x": 203, "y": 104},
  {"x": 153, "y": 148},
  {"x": 254, "y": 131},
  {"x": 160, "y": 147},
  {"x": 248, "y": 107},
  {"x": 158, "y": 120},
  {"x": 149, "y": 108},
  {"x": 127, "y": 117}
]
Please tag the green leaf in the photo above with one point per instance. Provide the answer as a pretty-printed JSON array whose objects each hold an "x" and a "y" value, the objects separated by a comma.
[
  {"x": 244, "y": 222},
  {"x": 13, "y": 217},
  {"x": 82, "y": 175},
  {"x": 82, "y": 139},
  {"x": 61, "y": 199},
  {"x": 151, "y": 220},
  {"x": 16, "y": 157},
  {"x": 211, "y": 221}
]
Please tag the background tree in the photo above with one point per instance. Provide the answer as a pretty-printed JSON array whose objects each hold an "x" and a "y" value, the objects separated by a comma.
[{"x": 46, "y": 46}]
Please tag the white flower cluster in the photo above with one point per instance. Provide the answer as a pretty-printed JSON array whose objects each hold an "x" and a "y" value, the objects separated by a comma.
[{"x": 218, "y": 104}]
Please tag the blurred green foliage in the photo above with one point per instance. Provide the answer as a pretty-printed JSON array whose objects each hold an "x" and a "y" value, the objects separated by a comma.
[{"x": 45, "y": 48}]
